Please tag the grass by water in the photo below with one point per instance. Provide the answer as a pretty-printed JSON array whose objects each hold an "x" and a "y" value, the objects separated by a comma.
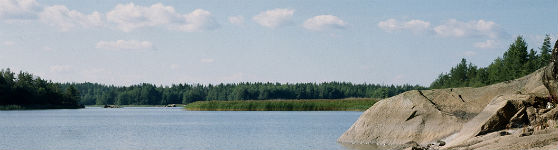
[
  {"x": 177, "y": 105},
  {"x": 349, "y": 104}
]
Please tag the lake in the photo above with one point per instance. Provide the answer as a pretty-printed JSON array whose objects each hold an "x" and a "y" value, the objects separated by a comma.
[{"x": 172, "y": 129}]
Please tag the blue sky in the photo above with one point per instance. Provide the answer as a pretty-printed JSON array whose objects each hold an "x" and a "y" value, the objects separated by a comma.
[{"x": 215, "y": 41}]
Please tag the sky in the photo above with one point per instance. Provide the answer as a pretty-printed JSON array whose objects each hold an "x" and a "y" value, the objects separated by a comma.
[{"x": 214, "y": 41}]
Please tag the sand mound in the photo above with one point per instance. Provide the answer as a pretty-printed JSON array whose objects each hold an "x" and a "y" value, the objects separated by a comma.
[{"x": 521, "y": 112}]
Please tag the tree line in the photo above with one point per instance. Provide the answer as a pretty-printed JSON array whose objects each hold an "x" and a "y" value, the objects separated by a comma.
[
  {"x": 29, "y": 91},
  {"x": 149, "y": 94},
  {"x": 25, "y": 89},
  {"x": 516, "y": 62}
]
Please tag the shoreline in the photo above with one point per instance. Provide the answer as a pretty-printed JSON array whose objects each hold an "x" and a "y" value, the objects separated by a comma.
[
  {"x": 177, "y": 105},
  {"x": 37, "y": 107},
  {"x": 350, "y": 104}
]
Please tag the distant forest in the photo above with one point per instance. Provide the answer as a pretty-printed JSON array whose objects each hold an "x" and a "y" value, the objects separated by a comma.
[
  {"x": 27, "y": 92},
  {"x": 516, "y": 62},
  {"x": 149, "y": 94}
]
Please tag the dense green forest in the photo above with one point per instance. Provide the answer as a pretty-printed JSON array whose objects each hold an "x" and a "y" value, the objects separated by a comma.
[
  {"x": 149, "y": 94},
  {"x": 516, "y": 62},
  {"x": 25, "y": 91}
]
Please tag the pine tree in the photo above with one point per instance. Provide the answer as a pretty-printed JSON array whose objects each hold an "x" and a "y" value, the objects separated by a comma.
[
  {"x": 515, "y": 58},
  {"x": 515, "y": 63},
  {"x": 545, "y": 50},
  {"x": 532, "y": 62}
]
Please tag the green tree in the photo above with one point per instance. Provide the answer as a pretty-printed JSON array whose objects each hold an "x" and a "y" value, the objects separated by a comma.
[
  {"x": 545, "y": 50},
  {"x": 533, "y": 62},
  {"x": 516, "y": 62},
  {"x": 515, "y": 58},
  {"x": 29, "y": 91},
  {"x": 193, "y": 95},
  {"x": 72, "y": 96}
]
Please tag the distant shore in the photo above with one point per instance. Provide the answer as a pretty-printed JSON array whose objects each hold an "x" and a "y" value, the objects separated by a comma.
[
  {"x": 348, "y": 104},
  {"x": 36, "y": 107}
]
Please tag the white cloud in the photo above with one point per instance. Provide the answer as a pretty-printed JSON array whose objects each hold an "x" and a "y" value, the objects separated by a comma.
[
  {"x": 450, "y": 28},
  {"x": 197, "y": 20},
  {"x": 65, "y": 19},
  {"x": 125, "y": 45},
  {"x": 274, "y": 18},
  {"x": 415, "y": 26},
  {"x": 485, "y": 44},
  {"x": 389, "y": 25},
  {"x": 207, "y": 60},
  {"x": 128, "y": 17},
  {"x": 236, "y": 20},
  {"x": 18, "y": 9},
  {"x": 455, "y": 28},
  {"x": 323, "y": 22},
  {"x": 8, "y": 43}
]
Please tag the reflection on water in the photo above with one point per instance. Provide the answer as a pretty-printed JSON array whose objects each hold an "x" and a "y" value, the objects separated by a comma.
[{"x": 172, "y": 129}]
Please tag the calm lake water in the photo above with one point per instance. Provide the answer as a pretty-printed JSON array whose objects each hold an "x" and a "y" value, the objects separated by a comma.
[{"x": 172, "y": 129}]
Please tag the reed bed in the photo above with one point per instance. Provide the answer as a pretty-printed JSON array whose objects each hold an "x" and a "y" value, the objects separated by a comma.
[{"x": 349, "y": 104}]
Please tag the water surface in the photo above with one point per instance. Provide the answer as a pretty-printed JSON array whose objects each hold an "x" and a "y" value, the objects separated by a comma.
[{"x": 172, "y": 129}]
